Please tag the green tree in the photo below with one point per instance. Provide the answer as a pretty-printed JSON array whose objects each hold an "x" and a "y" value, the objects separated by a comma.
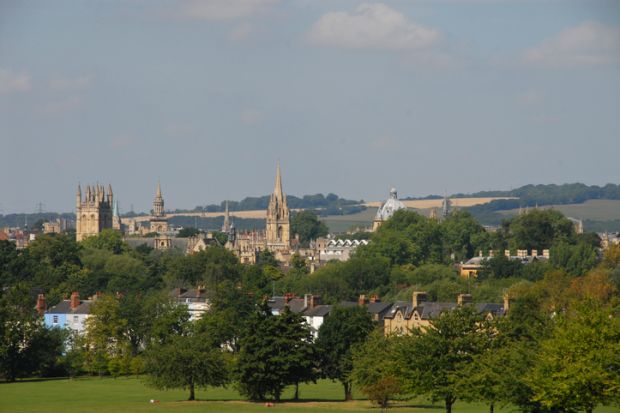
[
  {"x": 188, "y": 362},
  {"x": 187, "y": 232},
  {"x": 344, "y": 329},
  {"x": 276, "y": 353},
  {"x": 307, "y": 225},
  {"x": 108, "y": 239},
  {"x": 540, "y": 229},
  {"x": 578, "y": 366},
  {"x": 430, "y": 359},
  {"x": 374, "y": 369}
]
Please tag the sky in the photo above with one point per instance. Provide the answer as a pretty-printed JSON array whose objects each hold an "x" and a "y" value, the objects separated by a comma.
[{"x": 352, "y": 97}]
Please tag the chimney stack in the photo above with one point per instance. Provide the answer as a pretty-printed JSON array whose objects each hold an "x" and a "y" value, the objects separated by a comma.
[
  {"x": 463, "y": 299},
  {"x": 546, "y": 254},
  {"x": 288, "y": 297},
  {"x": 507, "y": 253},
  {"x": 506, "y": 303},
  {"x": 417, "y": 298},
  {"x": 361, "y": 300},
  {"x": 534, "y": 253},
  {"x": 41, "y": 305},
  {"x": 75, "y": 300},
  {"x": 491, "y": 253},
  {"x": 374, "y": 298}
]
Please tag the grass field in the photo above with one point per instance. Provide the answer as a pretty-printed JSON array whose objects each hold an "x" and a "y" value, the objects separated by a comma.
[
  {"x": 594, "y": 209},
  {"x": 128, "y": 395}
]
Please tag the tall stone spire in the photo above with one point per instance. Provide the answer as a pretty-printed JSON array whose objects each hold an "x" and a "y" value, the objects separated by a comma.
[
  {"x": 277, "y": 190},
  {"x": 226, "y": 225},
  {"x": 158, "y": 202},
  {"x": 278, "y": 222}
]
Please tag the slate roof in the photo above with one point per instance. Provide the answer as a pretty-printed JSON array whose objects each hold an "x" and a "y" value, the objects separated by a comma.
[
  {"x": 429, "y": 310},
  {"x": 64, "y": 307},
  {"x": 320, "y": 310}
]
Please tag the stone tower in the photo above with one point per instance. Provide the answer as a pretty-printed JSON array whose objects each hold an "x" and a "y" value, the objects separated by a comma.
[
  {"x": 278, "y": 225},
  {"x": 159, "y": 222},
  {"x": 226, "y": 224},
  {"x": 93, "y": 212}
]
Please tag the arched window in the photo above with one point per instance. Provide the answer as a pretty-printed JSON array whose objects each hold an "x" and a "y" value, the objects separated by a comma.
[{"x": 279, "y": 233}]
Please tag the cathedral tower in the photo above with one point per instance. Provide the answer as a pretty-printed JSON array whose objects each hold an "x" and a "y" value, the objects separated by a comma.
[
  {"x": 93, "y": 212},
  {"x": 159, "y": 222},
  {"x": 226, "y": 224},
  {"x": 278, "y": 225}
]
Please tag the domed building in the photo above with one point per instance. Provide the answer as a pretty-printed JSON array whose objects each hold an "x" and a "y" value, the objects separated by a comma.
[{"x": 391, "y": 205}]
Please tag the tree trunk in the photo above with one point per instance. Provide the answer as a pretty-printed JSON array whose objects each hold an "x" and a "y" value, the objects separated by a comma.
[
  {"x": 449, "y": 402},
  {"x": 191, "y": 391},
  {"x": 296, "y": 398},
  {"x": 589, "y": 409},
  {"x": 347, "y": 391},
  {"x": 492, "y": 408}
]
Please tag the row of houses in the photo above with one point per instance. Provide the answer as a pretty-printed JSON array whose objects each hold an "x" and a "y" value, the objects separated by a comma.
[{"x": 393, "y": 317}]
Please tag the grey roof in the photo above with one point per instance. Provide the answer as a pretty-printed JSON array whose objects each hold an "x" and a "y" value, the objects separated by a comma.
[
  {"x": 318, "y": 311},
  {"x": 429, "y": 310},
  {"x": 64, "y": 307},
  {"x": 296, "y": 305}
]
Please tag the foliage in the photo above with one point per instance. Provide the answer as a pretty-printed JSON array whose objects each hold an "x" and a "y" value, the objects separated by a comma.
[
  {"x": 374, "y": 369},
  {"x": 306, "y": 224},
  {"x": 578, "y": 366},
  {"x": 186, "y": 361},
  {"x": 276, "y": 353},
  {"x": 344, "y": 329},
  {"x": 431, "y": 359},
  {"x": 187, "y": 232}
]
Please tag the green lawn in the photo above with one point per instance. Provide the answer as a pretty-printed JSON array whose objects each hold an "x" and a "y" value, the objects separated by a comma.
[{"x": 128, "y": 395}]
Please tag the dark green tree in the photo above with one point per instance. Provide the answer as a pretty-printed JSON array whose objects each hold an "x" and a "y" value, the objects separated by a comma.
[
  {"x": 186, "y": 361},
  {"x": 344, "y": 329},
  {"x": 276, "y": 353},
  {"x": 430, "y": 359},
  {"x": 307, "y": 225}
]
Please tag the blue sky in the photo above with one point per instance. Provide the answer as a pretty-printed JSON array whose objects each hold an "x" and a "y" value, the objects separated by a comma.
[{"x": 353, "y": 97}]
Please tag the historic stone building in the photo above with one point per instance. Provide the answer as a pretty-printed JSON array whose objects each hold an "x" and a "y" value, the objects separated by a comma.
[
  {"x": 276, "y": 237},
  {"x": 93, "y": 212},
  {"x": 391, "y": 205},
  {"x": 159, "y": 221},
  {"x": 278, "y": 225}
]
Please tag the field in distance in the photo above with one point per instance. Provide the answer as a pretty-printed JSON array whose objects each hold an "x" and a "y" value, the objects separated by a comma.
[
  {"x": 594, "y": 209},
  {"x": 125, "y": 395},
  {"x": 436, "y": 203}
]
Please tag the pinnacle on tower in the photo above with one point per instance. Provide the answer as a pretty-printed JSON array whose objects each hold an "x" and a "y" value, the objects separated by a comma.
[{"x": 158, "y": 192}]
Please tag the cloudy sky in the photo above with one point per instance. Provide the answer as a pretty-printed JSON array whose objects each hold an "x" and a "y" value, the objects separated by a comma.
[{"x": 353, "y": 97}]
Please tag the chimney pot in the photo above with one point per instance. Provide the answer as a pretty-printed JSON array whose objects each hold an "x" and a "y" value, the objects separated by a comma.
[
  {"x": 417, "y": 298},
  {"x": 463, "y": 299},
  {"x": 41, "y": 305},
  {"x": 362, "y": 299},
  {"x": 374, "y": 298},
  {"x": 75, "y": 300},
  {"x": 506, "y": 303}
]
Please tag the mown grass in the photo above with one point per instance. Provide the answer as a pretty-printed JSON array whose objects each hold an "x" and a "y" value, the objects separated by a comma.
[{"x": 128, "y": 395}]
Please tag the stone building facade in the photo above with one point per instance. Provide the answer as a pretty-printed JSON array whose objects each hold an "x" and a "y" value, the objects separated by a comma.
[{"x": 93, "y": 212}]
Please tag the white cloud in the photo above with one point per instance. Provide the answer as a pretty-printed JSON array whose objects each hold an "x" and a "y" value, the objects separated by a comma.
[
  {"x": 71, "y": 83},
  {"x": 588, "y": 44},
  {"x": 371, "y": 26},
  {"x": 13, "y": 82},
  {"x": 62, "y": 106},
  {"x": 221, "y": 9}
]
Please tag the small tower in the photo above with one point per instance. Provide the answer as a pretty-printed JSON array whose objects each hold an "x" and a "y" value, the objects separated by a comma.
[
  {"x": 446, "y": 206},
  {"x": 226, "y": 224},
  {"x": 116, "y": 218},
  {"x": 278, "y": 222},
  {"x": 159, "y": 222}
]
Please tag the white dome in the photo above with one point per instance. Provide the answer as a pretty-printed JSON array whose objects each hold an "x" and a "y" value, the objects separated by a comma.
[{"x": 391, "y": 205}]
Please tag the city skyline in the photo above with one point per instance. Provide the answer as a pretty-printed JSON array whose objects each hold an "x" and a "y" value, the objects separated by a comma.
[{"x": 353, "y": 97}]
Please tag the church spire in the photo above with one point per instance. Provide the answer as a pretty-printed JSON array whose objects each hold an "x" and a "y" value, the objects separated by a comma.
[
  {"x": 277, "y": 190},
  {"x": 226, "y": 225},
  {"x": 158, "y": 202}
]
